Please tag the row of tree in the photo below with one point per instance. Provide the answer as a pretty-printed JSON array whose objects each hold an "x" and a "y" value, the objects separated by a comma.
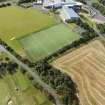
[
  {"x": 89, "y": 33},
  {"x": 62, "y": 83},
  {"x": 101, "y": 28},
  {"x": 4, "y": 5},
  {"x": 26, "y": 1},
  {"x": 7, "y": 66}
]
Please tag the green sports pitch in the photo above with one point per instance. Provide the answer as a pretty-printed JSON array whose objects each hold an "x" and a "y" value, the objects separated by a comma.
[
  {"x": 43, "y": 43},
  {"x": 16, "y": 22}
]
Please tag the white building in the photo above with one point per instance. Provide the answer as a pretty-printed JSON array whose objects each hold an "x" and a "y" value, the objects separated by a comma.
[
  {"x": 67, "y": 8},
  {"x": 68, "y": 14},
  {"x": 60, "y": 3},
  {"x": 38, "y": 2}
]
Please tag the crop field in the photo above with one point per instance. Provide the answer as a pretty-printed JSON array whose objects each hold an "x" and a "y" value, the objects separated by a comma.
[
  {"x": 86, "y": 66},
  {"x": 26, "y": 95},
  {"x": 16, "y": 22},
  {"x": 46, "y": 42}
]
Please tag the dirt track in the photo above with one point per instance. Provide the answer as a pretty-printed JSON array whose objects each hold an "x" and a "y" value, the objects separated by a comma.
[{"x": 86, "y": 66}]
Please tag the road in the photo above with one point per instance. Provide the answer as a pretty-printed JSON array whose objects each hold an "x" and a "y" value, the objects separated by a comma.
[
  {"x": 33, "y": 74},
  {"x": 100, "y": 35},
  {"x": 93, "y": 13}
]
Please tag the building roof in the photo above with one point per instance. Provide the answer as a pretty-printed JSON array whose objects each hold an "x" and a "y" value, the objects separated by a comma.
[
  {"x": 69, "y": 1},
  {"x": 60, "y": 2},
  {"x": 69, "y": 12}
]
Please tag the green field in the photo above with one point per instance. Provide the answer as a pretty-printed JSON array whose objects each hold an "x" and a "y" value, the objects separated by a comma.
[
  {"x": 15, "y": 22},
  {"x": 46, "y": 42},
  {"x": 26, "y": 95},
  {"x": 94, "y": 1}
]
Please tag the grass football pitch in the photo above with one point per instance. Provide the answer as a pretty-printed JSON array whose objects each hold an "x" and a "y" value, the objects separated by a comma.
[
  {"x": 15, "y": 22},
  {"x": 43, "y": 43}
]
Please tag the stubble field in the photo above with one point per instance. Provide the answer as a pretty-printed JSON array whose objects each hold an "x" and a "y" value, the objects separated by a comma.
[{"x": 86, "y": 66}]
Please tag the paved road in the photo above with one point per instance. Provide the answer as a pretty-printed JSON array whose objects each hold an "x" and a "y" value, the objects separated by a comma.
[
  {"x": 100, "y": 35},
  {"x": 34, "y": 75},
  {"x": 94, "y": 13}
]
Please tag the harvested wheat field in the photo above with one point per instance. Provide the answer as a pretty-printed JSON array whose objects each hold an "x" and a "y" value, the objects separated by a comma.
[{"x": 86, "y": 66}]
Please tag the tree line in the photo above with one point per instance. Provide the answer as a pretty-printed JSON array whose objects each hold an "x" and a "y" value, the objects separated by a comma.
[
  {"x": 26, "y": 1},
  {"x": 6, "y": 65},
  {"x": 4, "y": 5},
  {"x": 101, "y": 28},
  {"x": 65, "y": 88}
]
